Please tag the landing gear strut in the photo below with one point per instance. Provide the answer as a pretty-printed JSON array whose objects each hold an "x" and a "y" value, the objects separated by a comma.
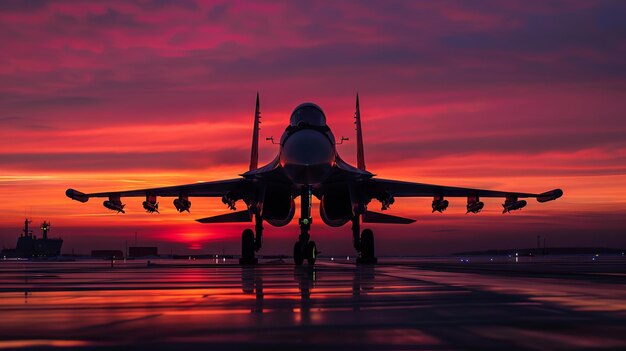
[
  {"x": 251, "y": 242},
  {"x": 303, "y": 248},
  {"x": 363, "y": 244}
]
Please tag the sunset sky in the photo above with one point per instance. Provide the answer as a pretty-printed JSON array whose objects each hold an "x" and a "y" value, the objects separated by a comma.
[{"x": 511, "y": 95}]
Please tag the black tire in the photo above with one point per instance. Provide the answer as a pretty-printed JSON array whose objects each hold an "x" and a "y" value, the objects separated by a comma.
[
  {"x": 367, "y": 245},
  {"x": 298, "y": 254},
  {"x": 311, "y": 253},
  {"x": 247, "y": 245}
]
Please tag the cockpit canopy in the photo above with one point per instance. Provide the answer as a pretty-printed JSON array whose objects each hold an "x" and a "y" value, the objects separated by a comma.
[{"x": 308, "y": 113}]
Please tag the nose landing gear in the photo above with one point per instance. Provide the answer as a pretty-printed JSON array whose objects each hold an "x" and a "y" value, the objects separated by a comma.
[
  {"x": 303, "y": 248},
  {"x": 309, "y": 253}
]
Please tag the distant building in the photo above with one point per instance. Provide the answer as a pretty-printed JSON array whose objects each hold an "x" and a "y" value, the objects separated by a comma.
[
  {"x": 29, "y": 246},
  {"x": 107, "y": 254},
  {"x": 141, "y": 251}
]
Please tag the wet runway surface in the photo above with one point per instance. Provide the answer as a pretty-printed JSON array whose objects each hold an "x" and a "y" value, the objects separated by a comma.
[{"x": 440, "y": 304}]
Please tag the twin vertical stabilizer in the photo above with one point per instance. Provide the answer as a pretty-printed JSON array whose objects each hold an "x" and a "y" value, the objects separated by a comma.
[
  {"x": 360, "y": 157},
  {"x": 254, "y": 154}
]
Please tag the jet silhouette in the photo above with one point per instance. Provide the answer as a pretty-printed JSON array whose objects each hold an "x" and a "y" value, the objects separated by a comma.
[{"x": 308, "y": 165}]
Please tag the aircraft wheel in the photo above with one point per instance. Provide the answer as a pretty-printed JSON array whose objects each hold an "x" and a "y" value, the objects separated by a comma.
[
  {"x": 368, "y": 254},
  {"x": 247, "y": 247},
  {"x": 298, "y": 254},
  {"x": 311, "y": 252}
]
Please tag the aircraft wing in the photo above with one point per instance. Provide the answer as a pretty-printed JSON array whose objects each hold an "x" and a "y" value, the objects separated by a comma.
[
  {"x": 408, "y": 189},
  {"x": 202, "y": 189}
]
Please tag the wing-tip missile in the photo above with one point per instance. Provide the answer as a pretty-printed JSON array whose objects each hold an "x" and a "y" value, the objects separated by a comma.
[
  {"x": 550, "y": 195},
  {"x": 76, "y": 195}
]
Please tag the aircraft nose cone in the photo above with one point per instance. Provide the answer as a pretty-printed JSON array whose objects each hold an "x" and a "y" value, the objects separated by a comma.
[{"x": 307, "y": 156}]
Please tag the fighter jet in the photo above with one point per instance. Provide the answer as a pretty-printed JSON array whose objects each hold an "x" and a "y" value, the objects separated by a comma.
[{"x": 308, "y": 165}]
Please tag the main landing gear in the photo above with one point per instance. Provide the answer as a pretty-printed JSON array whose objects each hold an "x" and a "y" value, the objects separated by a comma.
[
  {"x": 303, "y": 248},
  {"x": 251, "y": 243},
  {"x": 364, "y": 244}
]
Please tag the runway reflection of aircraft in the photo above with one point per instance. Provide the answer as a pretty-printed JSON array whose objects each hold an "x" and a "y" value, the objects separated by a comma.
[
  {"x": 363, "y": 280},
  {"x": 308, "y": 165},
  {"x": 252, "y": 283},
  {"x": 306, "y": 278}
]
